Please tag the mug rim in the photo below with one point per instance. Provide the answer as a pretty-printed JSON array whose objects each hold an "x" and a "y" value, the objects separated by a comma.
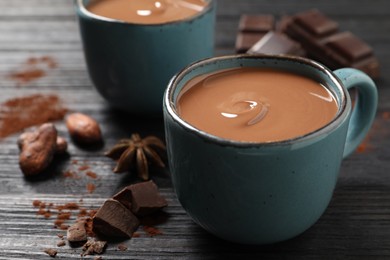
[
  {"x": 84, "y": 11},
  {"x": 169, "y": 105}
]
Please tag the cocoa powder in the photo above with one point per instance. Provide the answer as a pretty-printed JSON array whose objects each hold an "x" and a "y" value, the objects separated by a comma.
[
  {"x": 91, "y": 187},
  {"x": 19, "y": 113},
  {"x": 27, "y": 75},
  {"x": 152, "y": 231},
  {"x": 33, "y": 68}
]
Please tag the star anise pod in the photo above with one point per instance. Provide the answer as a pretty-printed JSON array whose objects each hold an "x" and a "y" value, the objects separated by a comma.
[{"x": 137, "y": 152}]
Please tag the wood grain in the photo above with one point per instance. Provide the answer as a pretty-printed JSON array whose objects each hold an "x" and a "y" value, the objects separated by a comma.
[{"x": 355, "y": 225}]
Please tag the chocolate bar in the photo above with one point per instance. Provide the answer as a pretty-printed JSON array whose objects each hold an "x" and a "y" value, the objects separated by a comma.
[
  {"x": 321, "y": 38},
  {"x": 276, "y": 43},
  {"x": 251, "y": 29}
]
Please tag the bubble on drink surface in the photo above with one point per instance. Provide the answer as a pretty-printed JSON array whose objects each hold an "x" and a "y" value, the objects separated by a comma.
[{"x": 243, "y": 107}]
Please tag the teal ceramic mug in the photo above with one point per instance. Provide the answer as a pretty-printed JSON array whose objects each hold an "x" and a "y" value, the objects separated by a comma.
[
  {"x": 131, "y": 64},
  {"x": 259, "y": 193}
]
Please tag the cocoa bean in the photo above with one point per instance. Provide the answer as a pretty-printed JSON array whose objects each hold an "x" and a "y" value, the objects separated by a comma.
[
  {"x": 61, "y": 143},
  {"x": 37, "y": 149},
  {"x": 83, "y": 129}
]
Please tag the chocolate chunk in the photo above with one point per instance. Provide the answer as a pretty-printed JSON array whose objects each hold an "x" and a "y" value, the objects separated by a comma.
[
  {"x": 124, "y": 197},
  {"x": 92, "y": 247},
  {"x": 145, "y": 198},
  {"x": 276, "y": 43},
  {"x": 319, "y": 36},
  {"x": 256, "y": 23},
  {"x": 251, "y": 29},
  {"x": 114, "y": 220},
  {"x": 51, "y": 252},
  {"x": 77, "y": 232}
]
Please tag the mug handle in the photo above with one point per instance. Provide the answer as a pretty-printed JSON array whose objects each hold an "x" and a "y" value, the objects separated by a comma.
[{"x": 364, "y": 110}]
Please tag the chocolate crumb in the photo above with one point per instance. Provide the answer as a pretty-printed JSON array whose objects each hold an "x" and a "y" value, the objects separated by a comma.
[
  {"x": 36, "y": 203},
  {"x": 70, "y": 205},
  {"x": 122, "y": 247},
  {"x": 63, "y": 215},
  {"x": 83, "y": 167},
  {"x": 92, "y": 247},
  {"x": 47, "y": 214},
  {"x": 91, "y": 187},
  {"x": 98, "y": 258},
  {"x": 61, "y": 243},
  {"x": 51, "y": 252},
  {"x": 63, "y": 227},
  {"x": 77, "y": 232},
  {"x": 60, "y": 235},
  {"x": 91, "y": 174}
]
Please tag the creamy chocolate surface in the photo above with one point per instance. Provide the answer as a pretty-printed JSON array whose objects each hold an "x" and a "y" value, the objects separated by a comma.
[
  {"x": 256, "y": 105},
  {"x": 147, "y": 11}
]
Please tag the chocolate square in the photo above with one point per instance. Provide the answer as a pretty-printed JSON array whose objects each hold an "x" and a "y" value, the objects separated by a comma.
[
  {"x": 145, "y": 198},
  {"x": 114, "y": 220}
]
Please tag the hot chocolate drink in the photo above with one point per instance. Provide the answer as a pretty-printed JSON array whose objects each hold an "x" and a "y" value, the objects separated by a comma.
[
  {"x": 256, "y": 105},
  {"x": 147, "y": 11}
]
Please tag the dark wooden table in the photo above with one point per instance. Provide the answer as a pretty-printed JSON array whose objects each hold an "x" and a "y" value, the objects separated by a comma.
[{"x": 356, "y": 224}]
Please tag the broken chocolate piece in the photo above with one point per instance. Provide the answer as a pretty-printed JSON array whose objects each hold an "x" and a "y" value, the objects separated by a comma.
[
  {"x": 276, "y": 43},
  {"x": 124, "y": 197},
  {"x": 114, "y": 220},
  {"x": 251, "y": 29},
  {"x": 145, "y": 198},
  {"x": 92, "y": 247},
  {"x": 77, "y": 232},
  {"x": 319, "y": 36},
  {"x": 51, "y": 252}
]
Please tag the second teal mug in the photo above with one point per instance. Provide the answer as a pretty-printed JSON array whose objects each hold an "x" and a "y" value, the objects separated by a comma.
[
  {"x": 259, "y": 193},
  {"x": 130, "y": 64}
]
